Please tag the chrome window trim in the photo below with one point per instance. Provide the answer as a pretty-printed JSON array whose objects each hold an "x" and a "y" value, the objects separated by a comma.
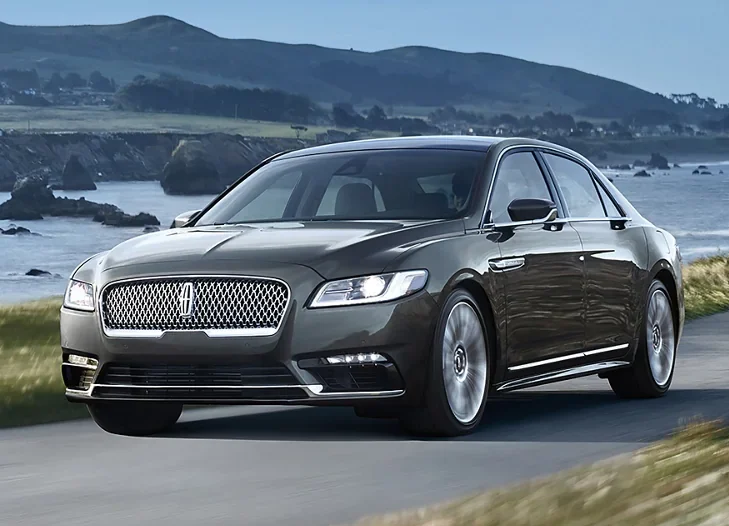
[
  {"x": 211, "y": 333},
  {"x": 581, "y": 354},
  {"x": 535, "y": 149}
]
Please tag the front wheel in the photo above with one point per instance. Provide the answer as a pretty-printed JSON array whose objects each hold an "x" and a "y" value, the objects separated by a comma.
[
  {"x": 459, "y": 374},
  {"x": 651, "y": 374},
  {"x": 135, "y": 418}
]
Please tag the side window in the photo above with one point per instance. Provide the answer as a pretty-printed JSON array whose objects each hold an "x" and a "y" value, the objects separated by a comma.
[
  {"x": 329, "y": 199},
  {"x": 577, "y": 187},
  {"x": 519, "y": 177},
  {"x": 610, "y": 208},
  {"x": 271, "y": 202}
]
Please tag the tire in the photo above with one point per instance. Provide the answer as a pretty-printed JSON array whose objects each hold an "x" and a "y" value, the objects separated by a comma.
[
  {"x": 459, "y": 373},
  {"x": 651, "y": 373},
  {"x": 135, "y": 418}
]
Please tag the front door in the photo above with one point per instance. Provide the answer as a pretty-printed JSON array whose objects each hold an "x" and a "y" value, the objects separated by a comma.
[{"x": 541, "y": 270}]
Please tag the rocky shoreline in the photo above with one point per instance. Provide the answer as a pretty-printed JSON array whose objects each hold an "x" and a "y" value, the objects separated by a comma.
[
  {"x": 127, "y": 156},
  {"x": 33, "y": 199}
]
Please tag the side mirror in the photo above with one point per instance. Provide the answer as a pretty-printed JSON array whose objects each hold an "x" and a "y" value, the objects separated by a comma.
[
  {"x": 537, "y": 210},
  {"x": 184, "y": 218}
]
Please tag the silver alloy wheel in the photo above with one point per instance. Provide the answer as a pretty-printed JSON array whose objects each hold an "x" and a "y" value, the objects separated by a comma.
[
  {"x": 465, "y": 364},
  {"x": 660, "y": 337}
]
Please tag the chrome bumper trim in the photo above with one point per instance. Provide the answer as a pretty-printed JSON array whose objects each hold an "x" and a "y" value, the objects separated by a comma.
[
  {"x": 315, "y": 390},
  {"x": 210, "y": 333}
]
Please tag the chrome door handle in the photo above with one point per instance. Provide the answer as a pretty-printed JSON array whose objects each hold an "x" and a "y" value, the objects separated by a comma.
[{"x": 501, "y": 265}]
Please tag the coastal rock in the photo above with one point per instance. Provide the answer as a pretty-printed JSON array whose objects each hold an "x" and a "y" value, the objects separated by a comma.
[
  {"x": 623, "y": 167},
  {"x": 703, "y": 167},
  {"x": 38, "y": 273},
  {"x": 658, "y": 162},
  {"x": 642, "y": 173},
  {"x": 32, "y": 199},
  {"x": 75, "y": 176},
  {"x": 119, "y": 218},
  {"x": 705, "y": 172},
  {"x": 676, "y": 165},
  {"x": 696, "y": 172},
  {"x": 15, "y": 230},
  {"x": 33, "y": 189},
  {"x": 190, "y": 171}
]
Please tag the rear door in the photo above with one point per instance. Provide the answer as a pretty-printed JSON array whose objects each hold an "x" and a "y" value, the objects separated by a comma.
[
  {"x": 611, "y": 248},
  {"x": 540, "y": 269}
]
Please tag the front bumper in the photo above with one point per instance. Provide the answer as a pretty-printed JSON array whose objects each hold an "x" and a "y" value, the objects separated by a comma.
[{"x": 285, "y": 368}]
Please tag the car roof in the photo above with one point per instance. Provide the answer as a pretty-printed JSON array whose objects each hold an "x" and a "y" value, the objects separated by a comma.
[{"x": 444, "y": 142}]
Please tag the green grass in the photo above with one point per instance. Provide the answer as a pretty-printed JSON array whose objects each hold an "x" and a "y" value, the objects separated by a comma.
[
  {"x": 97, "y": 119},
  {"x": 681, "y": 481},
  {"x": 31, "y": 389}
]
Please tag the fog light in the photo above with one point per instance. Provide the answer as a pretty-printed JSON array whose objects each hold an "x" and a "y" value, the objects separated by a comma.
[
  {"x": 83, "y": 361},
  {"x": 355, "y": 358}
]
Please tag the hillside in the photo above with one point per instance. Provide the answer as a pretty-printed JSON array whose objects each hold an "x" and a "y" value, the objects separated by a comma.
[{"x": 410, "y": 76}]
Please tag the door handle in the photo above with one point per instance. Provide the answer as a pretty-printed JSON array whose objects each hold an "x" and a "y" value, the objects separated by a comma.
[{"x": 502, "y": 265}]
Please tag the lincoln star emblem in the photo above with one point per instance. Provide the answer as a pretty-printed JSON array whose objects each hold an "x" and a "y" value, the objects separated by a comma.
[{"x": 187, "y": 300}]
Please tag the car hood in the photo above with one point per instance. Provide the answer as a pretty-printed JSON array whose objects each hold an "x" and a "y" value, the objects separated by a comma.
[{"x": 333, "y": 249}]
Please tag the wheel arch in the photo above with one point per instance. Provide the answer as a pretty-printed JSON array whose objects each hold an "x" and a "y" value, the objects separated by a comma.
[{"x": 470, "y": 283}]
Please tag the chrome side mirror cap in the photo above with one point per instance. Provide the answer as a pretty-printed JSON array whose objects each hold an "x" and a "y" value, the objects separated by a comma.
[{"x": 184, "y": 218}]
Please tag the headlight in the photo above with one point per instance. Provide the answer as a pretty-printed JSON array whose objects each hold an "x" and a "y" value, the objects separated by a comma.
[
  {"x": 370, "y": 289},
  {"x": 79, "y": 295}
]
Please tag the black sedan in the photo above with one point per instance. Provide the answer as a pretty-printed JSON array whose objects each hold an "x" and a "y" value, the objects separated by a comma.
[{"x": 407, "y": 278}]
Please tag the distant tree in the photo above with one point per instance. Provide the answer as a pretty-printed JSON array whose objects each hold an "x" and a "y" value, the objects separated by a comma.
[
  {"x": 376, "y": 117},
  {"x": 99, "y": 82},
  {"x": 73, "y": 80},
  {"x": 345, "y": 116},
  {"x": 54, "y": 84},
  {"x": 505, "y": 119},
  {"x": 180, "y": 96},
  {"x": 21, "y": 79}
]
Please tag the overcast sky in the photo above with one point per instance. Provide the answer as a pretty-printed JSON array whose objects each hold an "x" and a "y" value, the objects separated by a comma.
[{"x": 669, "y": 46}]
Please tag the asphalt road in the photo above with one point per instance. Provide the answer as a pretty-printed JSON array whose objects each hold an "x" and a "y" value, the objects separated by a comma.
[{"x": 325, "y": 466}]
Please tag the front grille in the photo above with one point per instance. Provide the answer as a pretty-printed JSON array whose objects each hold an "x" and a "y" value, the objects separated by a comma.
[
  {"x": 197, "y": 375},
  {"x": 256, "y": 305}
]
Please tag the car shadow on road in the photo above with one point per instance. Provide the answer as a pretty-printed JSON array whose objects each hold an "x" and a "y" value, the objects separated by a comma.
[{"x": 527, "y": 416}]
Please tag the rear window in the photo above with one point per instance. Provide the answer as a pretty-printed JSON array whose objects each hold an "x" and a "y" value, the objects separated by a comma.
[{"x": 382, "y": 184}]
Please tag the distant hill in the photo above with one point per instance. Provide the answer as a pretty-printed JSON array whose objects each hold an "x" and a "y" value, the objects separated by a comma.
[{"x": 409, "y": 76}]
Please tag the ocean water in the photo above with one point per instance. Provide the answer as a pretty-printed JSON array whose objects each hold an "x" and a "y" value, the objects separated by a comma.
[{"x": 695, "y": 208}]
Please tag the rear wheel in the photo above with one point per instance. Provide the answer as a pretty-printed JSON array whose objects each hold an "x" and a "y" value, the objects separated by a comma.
[
  {"x": 651, "y": 374},
  {"x": 459, "y": 373},
  {"x": 135, "y": 418}
]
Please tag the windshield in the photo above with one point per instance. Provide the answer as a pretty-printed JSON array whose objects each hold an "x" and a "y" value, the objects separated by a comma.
[{"x": 383, "y": 184}]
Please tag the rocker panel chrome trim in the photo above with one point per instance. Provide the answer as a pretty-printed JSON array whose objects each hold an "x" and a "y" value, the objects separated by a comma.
[{"x": 564, "y": 374}]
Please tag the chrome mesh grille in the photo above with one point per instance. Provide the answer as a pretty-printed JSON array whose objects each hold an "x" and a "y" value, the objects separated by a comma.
[{"x": 194, "y": 304}]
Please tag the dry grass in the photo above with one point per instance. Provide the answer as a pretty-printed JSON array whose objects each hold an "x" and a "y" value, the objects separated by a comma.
[
  {"x": 98, "y": 119},
  {"x": 706, "y": 286},
  {"x": 681, "y": 481}
]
